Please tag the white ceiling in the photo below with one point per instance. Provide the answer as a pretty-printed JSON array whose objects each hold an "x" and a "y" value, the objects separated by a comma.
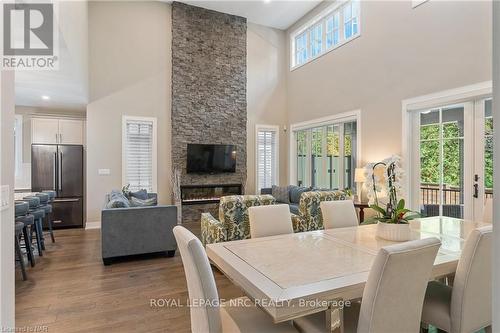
[
  {"x": 64, "y": 87},
  {"x": 67, "y": 87},
  {"x": 280, "y": 14}
]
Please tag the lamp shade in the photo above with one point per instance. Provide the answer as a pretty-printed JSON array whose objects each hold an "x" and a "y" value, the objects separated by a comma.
[{"x": 359, "y": 175}]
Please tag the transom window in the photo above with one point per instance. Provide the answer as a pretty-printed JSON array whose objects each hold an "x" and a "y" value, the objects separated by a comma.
[
  {"x": 332, "y": 28},
  {"x": 301, "y": 48},
  {"x": 351, "y": 19},
  {"x": 316, "y": 39}
]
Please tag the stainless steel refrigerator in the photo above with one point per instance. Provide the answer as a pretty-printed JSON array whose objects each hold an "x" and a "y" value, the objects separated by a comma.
[{"x": 60, "y": 168}]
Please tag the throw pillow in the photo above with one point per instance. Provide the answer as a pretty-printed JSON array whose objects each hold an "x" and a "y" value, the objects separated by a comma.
[
  {"x": 141, "y": 194},
  {"x": 116, "y": 203},
  {"x": 117, "y": 200},
  {"x": 296, "y": 192},
  {"x": 136, "y": 202},
  {"x": 280, "y": 193}
]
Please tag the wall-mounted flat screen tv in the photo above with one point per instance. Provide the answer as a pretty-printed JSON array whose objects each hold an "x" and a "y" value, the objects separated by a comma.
[{"x": 202, "y": 158}]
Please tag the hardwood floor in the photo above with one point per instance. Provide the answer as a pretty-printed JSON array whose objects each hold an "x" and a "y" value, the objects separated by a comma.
[{"x": 70, "y": 290}]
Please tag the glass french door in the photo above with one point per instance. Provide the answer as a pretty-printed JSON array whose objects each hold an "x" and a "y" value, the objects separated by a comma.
[
  {"x": 483, "y": 161},
  {"x": 453, "y": 160}
]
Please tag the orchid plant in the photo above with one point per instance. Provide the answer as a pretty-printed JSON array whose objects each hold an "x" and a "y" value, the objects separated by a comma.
[{"x": 386, "y": 176}]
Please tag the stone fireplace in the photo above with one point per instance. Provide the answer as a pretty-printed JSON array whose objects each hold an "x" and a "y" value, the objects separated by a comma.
[{"x": 208, "y": 100}]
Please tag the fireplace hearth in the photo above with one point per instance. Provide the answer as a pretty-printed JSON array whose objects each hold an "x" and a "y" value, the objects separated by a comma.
[{"x": 207, "y": 194}]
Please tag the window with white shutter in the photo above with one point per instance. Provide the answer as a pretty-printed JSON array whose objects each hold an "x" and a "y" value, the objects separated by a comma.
[
  {"x": 139, "y": 153},
  {"x": 267, "y": 156}
]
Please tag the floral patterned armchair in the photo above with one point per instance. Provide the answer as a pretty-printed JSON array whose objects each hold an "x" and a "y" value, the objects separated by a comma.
[
  {"x": 309, "y": 217},
  {"x": 233, "y": 223}
]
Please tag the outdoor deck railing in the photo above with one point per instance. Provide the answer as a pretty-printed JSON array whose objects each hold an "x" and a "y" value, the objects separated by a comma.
[{"x": 429, "y": 195}]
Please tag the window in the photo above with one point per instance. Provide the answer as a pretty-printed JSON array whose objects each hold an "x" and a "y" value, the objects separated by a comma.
[
  {"x": 267, "y": 156},
  {"x": 301, "y": 48},
  {"x": 139, "y": 153},
  {"x": 332, "y": 28},
  {"x": 351, "y": 19},
  {"x": 326, "y": 153},
  {"x": 316, "y": 39}
]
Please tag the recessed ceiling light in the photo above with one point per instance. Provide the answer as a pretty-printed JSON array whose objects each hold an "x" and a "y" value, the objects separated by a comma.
[
  {"x": 45, "y": 97},
  {"x": 267, "y": 1}
]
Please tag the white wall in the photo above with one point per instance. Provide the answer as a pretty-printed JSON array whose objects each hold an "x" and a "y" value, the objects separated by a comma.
[
  {"x": 402, "y": 53},
  {"x": 73, "y": 25},
  {"x": 124, "y": 81},
  {"x": 130, "y": 71},
  {"x": 7, "y": 292},
  {"x": 496, "y": 169},
  {"x": 266, "y": 92}
]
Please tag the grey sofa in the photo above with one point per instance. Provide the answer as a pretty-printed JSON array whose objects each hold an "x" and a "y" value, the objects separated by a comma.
[
  {"x": 292, "y": 198},
  {"x": 137, "y": 230},
  {"x": 294, "y": 193}
]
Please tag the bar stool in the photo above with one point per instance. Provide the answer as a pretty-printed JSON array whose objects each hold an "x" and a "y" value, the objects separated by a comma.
[
  {"x": 45, "y": 205},
  {"x": 52, "y": 196},
  {"x": 19, "y": 230},
  {"x": 21, "y": 214},
  {"x": 38, "y": 214}
]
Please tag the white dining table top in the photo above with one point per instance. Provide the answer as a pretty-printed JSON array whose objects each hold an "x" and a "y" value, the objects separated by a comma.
[{"x": 290, "y": 274}]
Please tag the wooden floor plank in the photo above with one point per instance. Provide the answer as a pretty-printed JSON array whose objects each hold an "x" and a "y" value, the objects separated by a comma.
[{"x": 70, "y": 290}]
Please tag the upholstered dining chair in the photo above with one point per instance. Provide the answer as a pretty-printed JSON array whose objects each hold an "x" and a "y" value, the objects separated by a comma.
[
  {"x": 465, "y": 307},
  {"x": 234, "y": 316},
  {"x": 338, "y": 214},
  {"x": 393, "y": 295},
  {"x": 270, "y": 220}
]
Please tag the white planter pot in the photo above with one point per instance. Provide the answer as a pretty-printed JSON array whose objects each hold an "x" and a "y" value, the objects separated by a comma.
[{"x": 394, "y": 232}]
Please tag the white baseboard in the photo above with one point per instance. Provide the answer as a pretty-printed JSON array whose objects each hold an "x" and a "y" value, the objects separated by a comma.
[{"x": 93, "y": 225}]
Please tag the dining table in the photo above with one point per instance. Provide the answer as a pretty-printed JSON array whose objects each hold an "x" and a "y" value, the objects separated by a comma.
[{"x": 294, "y": 275}]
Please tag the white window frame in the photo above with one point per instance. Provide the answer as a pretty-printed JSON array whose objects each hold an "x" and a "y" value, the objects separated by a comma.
[
  {"x": 321, "y": 18},
  {"x": 351, "y": 19},
  {"x": 269, "y": 128},
  {"x": 354, "y": 115},
  {"x": 335, "y": 29},
  {"x": 321, "y": 41},
  {"x": 125, "y": 119},
  {"x": 306, "y": 36}
]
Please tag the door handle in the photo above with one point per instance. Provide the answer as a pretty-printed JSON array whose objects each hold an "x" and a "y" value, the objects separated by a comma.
[
  {"x": 476, "y": 190},
  {"x": 55, "y": 172},
  {"x": 60, "y": 171},
  {"x": 66, "y": 200}
]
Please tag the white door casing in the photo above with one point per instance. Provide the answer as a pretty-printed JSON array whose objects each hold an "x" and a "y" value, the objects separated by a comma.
[{"x": 472, "y": 97}]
